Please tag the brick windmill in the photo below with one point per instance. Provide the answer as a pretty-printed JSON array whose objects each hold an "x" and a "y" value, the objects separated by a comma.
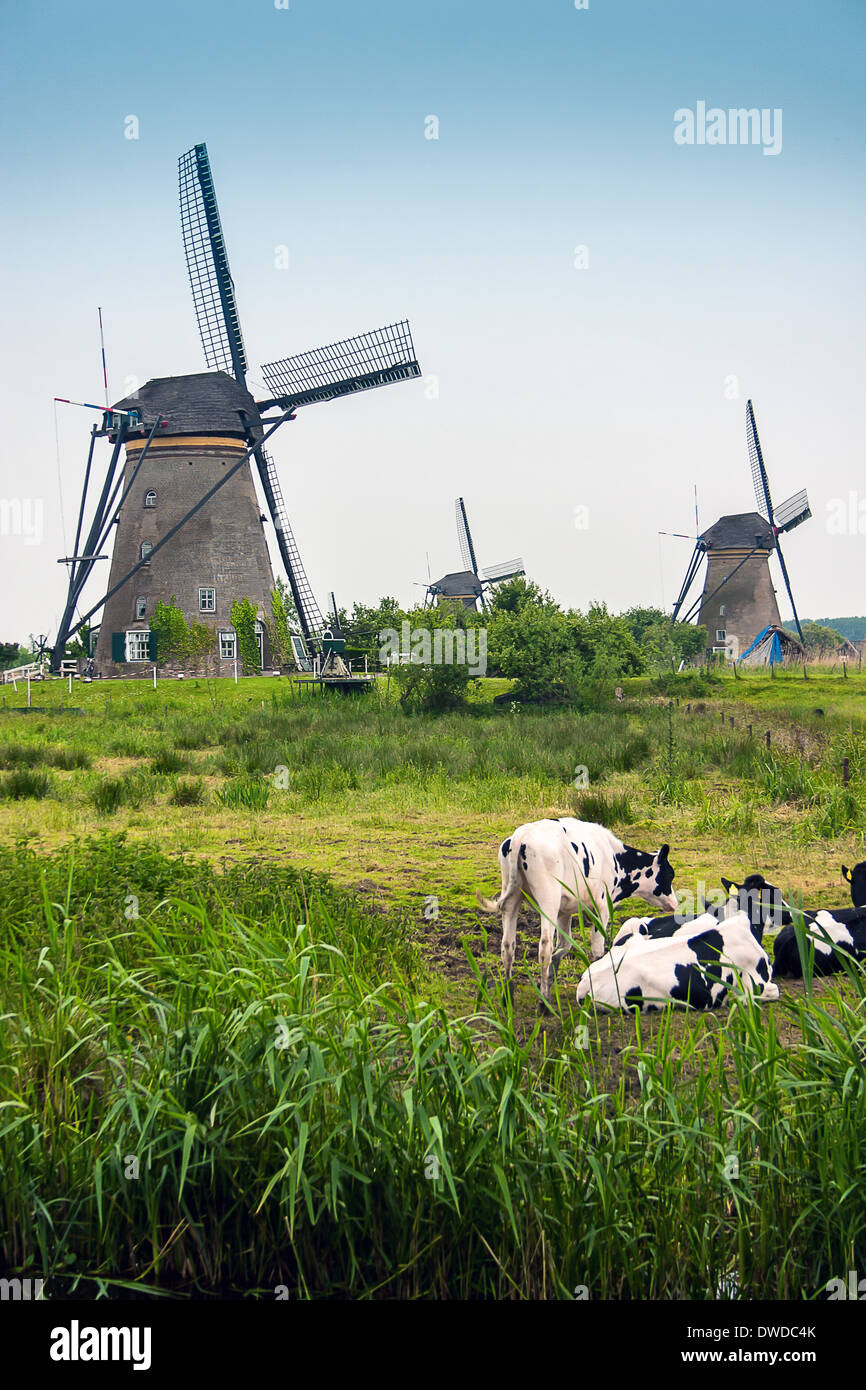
[
  {"x": 189, "y": 523},
  {"x": 738, "y": 601}
]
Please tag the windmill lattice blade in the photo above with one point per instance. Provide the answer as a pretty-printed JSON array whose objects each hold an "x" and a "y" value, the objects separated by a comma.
[
  {"x": 464, "y": 537},
  {"x": 372, "y": 359},
  {"x": 759, "y": 472},
  {"x": 496, "y": 574},
  {"x": 794, "y": 511},
  {"x": 305, "y": 601},
  {"x": 212, "y": 288},
  {"x": 787, "y": 580}
]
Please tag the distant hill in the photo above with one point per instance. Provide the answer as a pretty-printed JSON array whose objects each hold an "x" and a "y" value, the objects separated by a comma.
[{"x": 852, "y": 628}]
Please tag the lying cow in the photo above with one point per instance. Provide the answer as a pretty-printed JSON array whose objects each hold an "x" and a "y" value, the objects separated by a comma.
[
  {"x": 856, "y": 880},
  {"x": 564, "y": 867},
  {"x": 754, "y": 895},
  {"x": 843, "y": 928},
  {"x": 697, "y": 970}
]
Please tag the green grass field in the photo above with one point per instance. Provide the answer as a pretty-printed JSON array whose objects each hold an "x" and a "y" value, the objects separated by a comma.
[{"x": 253, "y": 1035}]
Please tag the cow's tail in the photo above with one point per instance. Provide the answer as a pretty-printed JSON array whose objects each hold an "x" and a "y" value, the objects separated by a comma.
[{"x": 510, "y": 885}]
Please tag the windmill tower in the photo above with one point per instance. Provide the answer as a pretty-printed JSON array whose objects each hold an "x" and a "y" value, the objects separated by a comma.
[
  {"x": 221, "y": 555},
  {"x": 738, "y": 600},
  {"x": 467, "y": 587},
  {"x": 188, "y": 518}
]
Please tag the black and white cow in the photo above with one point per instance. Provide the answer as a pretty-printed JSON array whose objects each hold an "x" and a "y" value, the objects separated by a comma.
[
  {"x": 563, "y": 867},
  {"x": 843, "y": 928},
  {"x": 701, "y": 970},
  {"x": 856, "y": 880},
  {"x": 757, "y": 897}
]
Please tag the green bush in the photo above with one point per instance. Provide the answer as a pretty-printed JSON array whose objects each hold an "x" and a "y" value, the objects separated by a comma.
[
  {"x": 604, "y": 808},
  {"x": 187, "y": 791},
  {"x": 22, "y": 754},
  {"x": 168, "y": 761},
  {"x": 108, "y": 794},
  {"x": 70, "y": 759},
  {"x": 25, "y": 783},
  {"x": 244, "y": 795}
]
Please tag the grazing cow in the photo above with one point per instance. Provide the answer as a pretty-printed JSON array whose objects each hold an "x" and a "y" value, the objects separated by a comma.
[
  {"x": 696, "y": 971},
  {"x": 563, "y": 866},
  {"x": 856, "y": 879},
  {"x": 754, "y": 895},
  {"x": 844, "y": 928}
]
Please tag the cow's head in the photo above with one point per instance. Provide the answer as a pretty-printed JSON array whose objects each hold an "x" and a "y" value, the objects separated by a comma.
[
  {"x": 856, "y": 880},
  {"x": 647, "y": 876},
  {"x": 764, "y": 904}
]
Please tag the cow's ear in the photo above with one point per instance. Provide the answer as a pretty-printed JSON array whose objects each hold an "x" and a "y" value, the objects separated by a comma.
[
  {"x": 663, "y": 852},
  {"x": 729, "y": 886},
  {"x": 847, "y": 872}
]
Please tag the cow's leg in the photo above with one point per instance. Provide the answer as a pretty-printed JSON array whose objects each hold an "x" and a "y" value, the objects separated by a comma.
[
  {"x": 548, "y": 904},
  {"x": 563, "y": 942},
  {"x": 597, "y": 943},
  {"x": 510, "y": 910}
]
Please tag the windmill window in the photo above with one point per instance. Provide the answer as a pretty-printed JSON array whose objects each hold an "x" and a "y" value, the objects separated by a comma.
[
  {"x": 723, "y": 610},
  {"x": 207, "y": 600},
  {"x": 228, "y": 646},
  {"x": 137, "y": 646},
  {"x": 150, "y": 498},
  {"x": 140, "y": 607},
  {"x": 721, "y": 635},
  {"x": 146, "y": 548}
]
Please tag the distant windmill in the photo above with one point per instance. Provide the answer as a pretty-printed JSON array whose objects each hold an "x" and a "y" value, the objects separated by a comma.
[
  {"x": 469, "y": 585},
  {"x": 190, "y": 442},
  {"x": 738, "y": 600}
]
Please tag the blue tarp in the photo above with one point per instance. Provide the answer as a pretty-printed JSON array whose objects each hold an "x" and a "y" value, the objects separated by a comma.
[{"x": 775, "y": 656}]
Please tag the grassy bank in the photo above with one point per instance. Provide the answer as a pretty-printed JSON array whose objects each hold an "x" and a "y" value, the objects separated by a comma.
[
  {"x": 242, "y": 1087},
  {"x": 224, "y": 1071}
]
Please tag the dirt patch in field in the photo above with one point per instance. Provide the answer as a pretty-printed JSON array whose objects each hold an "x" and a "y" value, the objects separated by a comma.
[{"x": 611, "y": 1042}]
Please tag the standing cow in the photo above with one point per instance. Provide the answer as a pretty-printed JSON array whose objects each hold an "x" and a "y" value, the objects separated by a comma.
[{"x": 562, "y": 867}]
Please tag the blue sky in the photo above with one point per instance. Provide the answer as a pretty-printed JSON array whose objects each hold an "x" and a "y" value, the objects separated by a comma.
[{"x": 607, "y": 387}]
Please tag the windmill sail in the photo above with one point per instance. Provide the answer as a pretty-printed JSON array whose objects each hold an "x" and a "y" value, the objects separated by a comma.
[
  {"x": 464, "y": 536},
  {"x": 510, "y": 569},
  {"x": 759, "y": 472},
  {"x": 372, "y": 359},
  {"x": 793, "y": 512},
  {"x": 213, "y": 291},
  {"x": 305, "y": 601},
  {"x": 219, "y": 327}
]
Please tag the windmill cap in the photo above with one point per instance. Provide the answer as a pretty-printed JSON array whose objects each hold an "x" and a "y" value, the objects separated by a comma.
[
  {"x": 458, "y": 585},
  {"x": 203, "y": 403},
  {"x": 742, "y": 530}
]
